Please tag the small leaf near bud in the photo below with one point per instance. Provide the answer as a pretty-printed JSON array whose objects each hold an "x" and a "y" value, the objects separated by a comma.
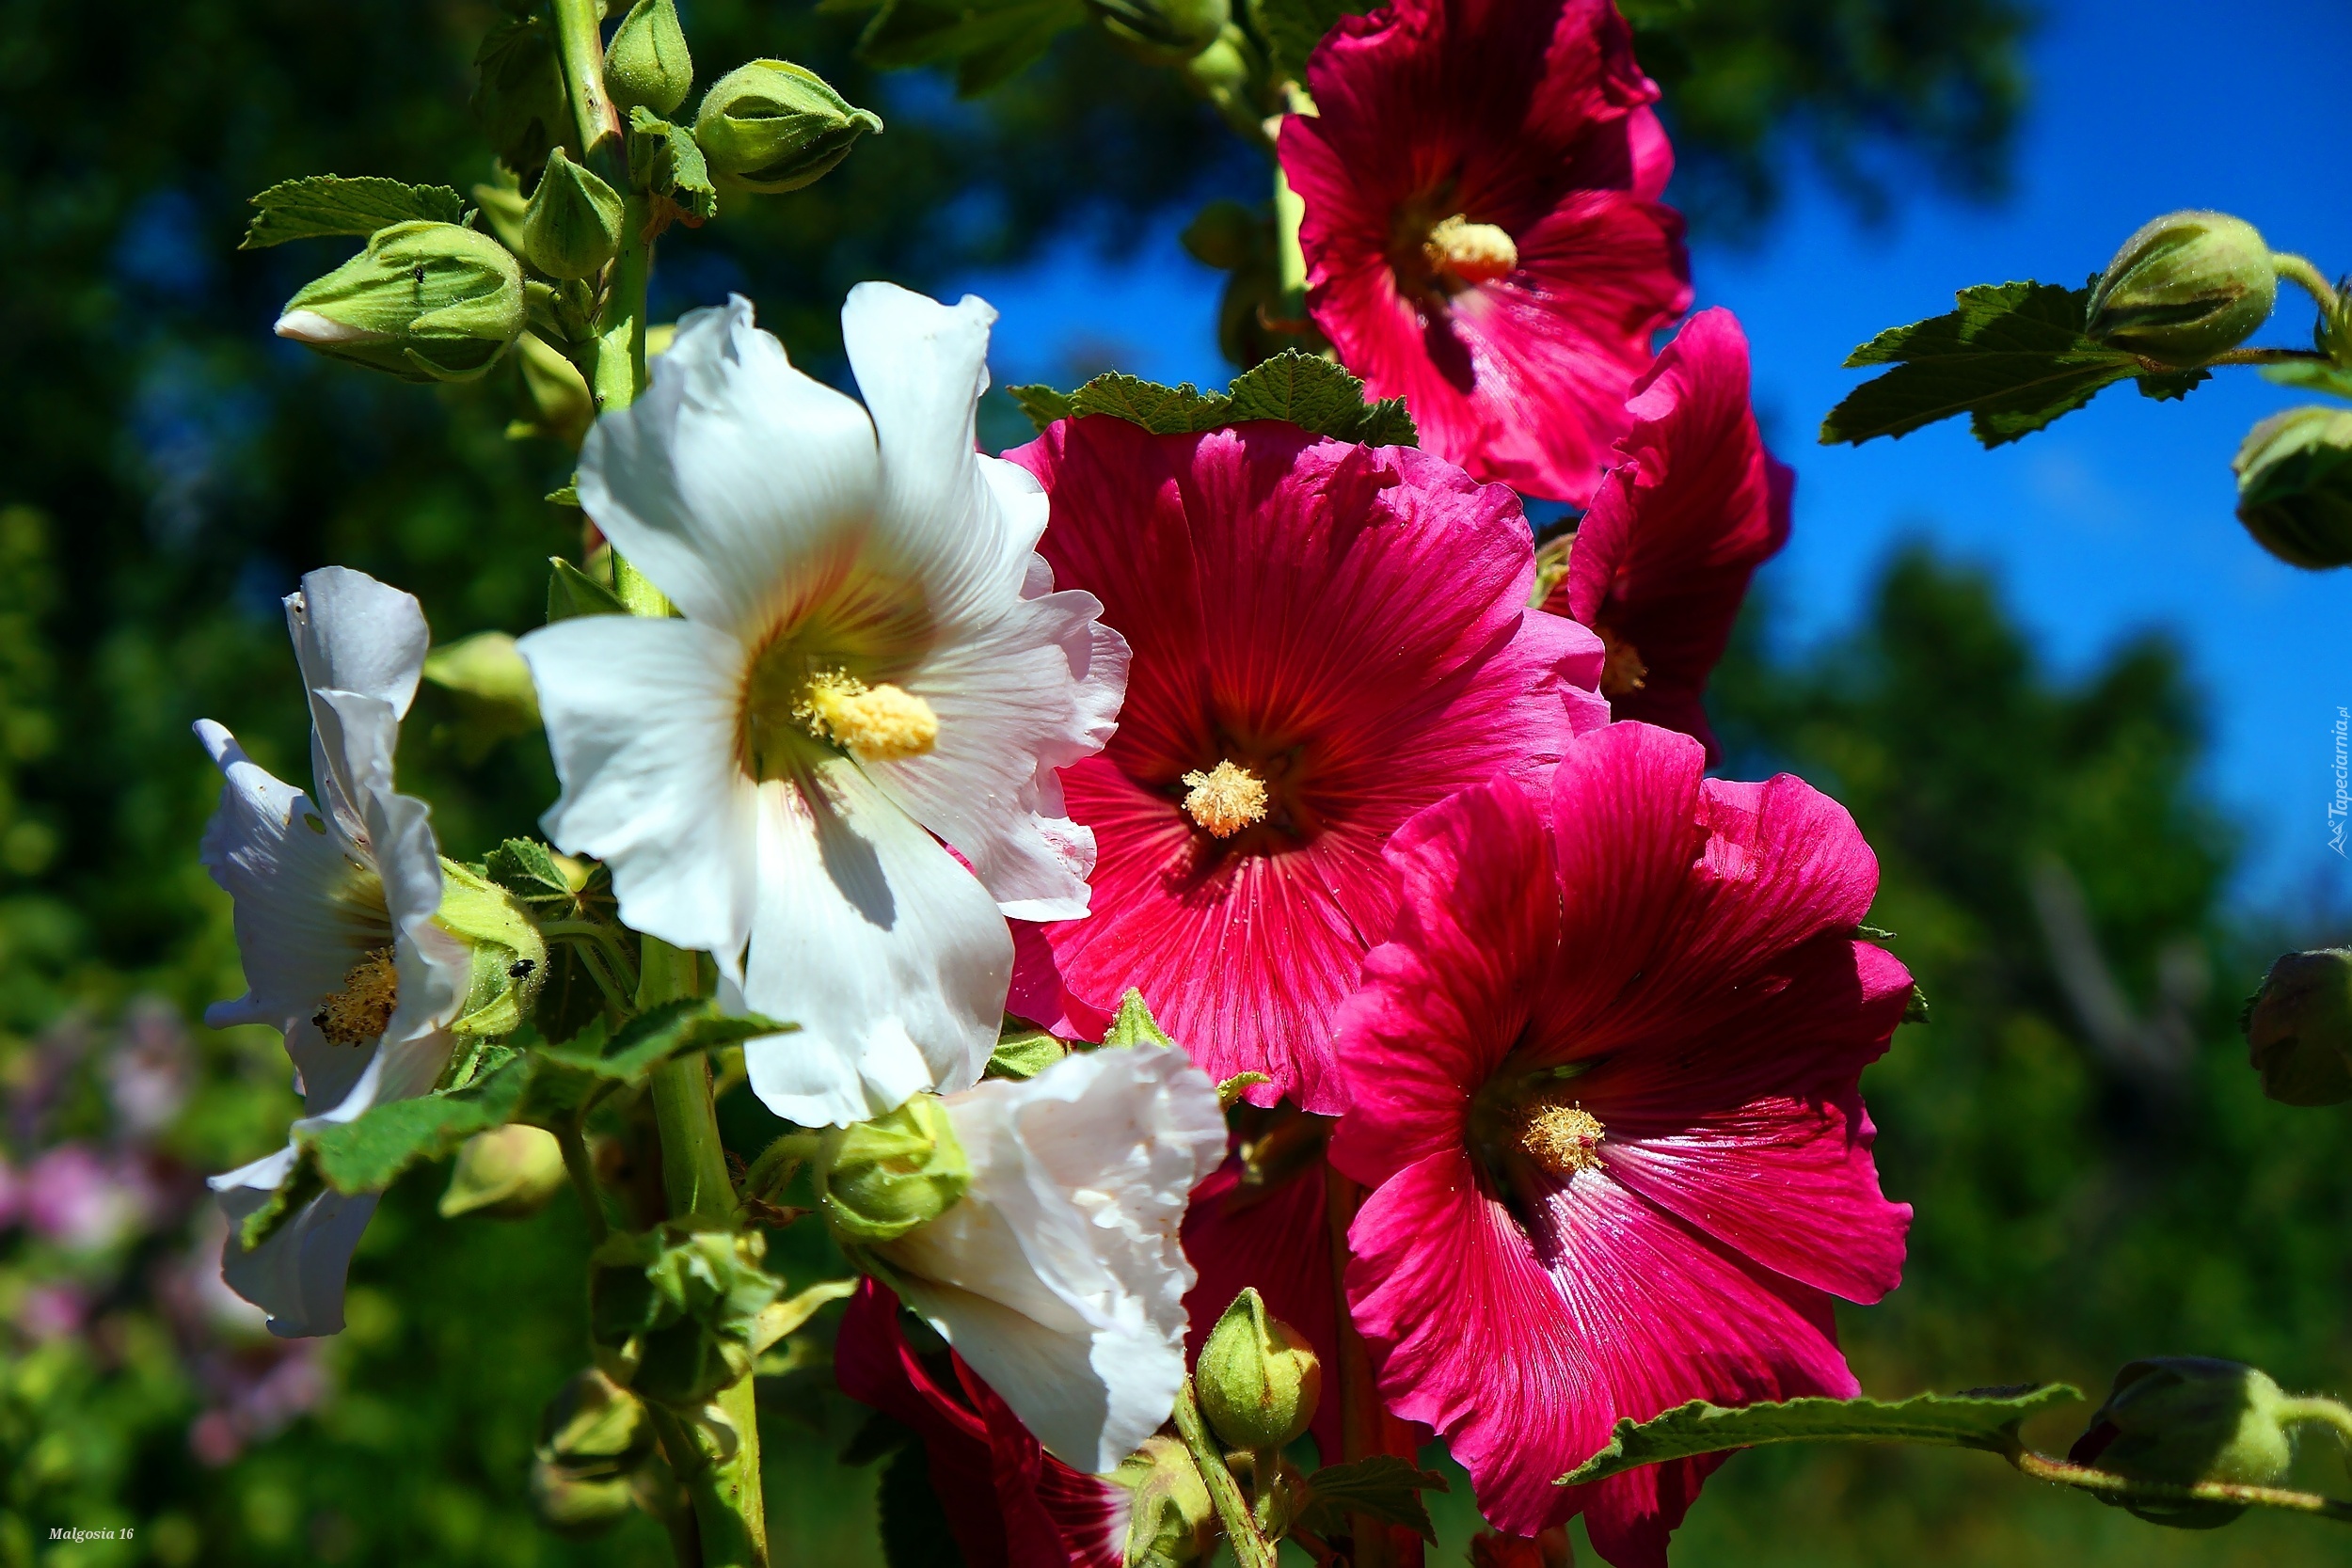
[
  {"x": 520, "y": 99},
  {"x": 2186, "y": 287},
  {"x": 1171, "y": 1521},
  {"x": 2295, "y": 486},
  {"x": 647, "y": 61},
  {"x": 573, "y": 225},
  {"x": 508, "y": 1173},
  {"x": 881, "y": 1178},
  {"x": 1258, "y": 1379},
  {"x": 2184, "y": 1419},
  {"x": 424, "y": 301},
  {"x": 1163, "y": 32},
  {"x": 2298, "y": 1029},
  {"x": 770, "y": 126}
]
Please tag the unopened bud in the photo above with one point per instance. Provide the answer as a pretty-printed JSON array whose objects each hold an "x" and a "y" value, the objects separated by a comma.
[
  {"x": 772, "y": 126},
  {"x": 1171, "y": 1521},
  {"x": 2298, "y": 1029},
  {"x": 881, "y": 1178},
  {"x": 595, "y": 1427},
  {"x": 2295, "y": 486},
  {"x": 510, "y": 957},
  {"x": 2184, "y": 1419},
  {"x": 2186, "y": 287},
  {"x": 575, "y": 1506},
  {"x": 1257, "y": 1377},
  {"x": 508, "y": 1173},
  {"x": 1163, "y": 32},
  {"x": 1228, "y": 236},
  {"x": 426, "y": 301},
  {"x": 646, "y": 62},
  {"x": 573, "y": 225},
  {"x": 521, "y": 98}
]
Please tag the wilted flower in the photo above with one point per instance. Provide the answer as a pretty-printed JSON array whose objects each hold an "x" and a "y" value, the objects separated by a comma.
[
  {"x": 869, "y": 653},
  {"x": 335, "y": 897},
  {"x": 1604, "y": 1083},
  {"x": 1483, "y": 233}
]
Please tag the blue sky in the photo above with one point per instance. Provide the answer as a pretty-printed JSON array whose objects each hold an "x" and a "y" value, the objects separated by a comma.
[{"x": 2116, "y": 520}]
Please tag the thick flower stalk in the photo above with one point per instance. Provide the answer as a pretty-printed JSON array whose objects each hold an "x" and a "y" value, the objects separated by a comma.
[
  {"x": 335, "y": 896},
  {"x": 1059, "y": 1275},
  {"x": 1328, "y": 637},
  {"x": 1482, "y": 230},
  {"x": 1604, "y": 1087},
  {"x": 868, "y": 655},
  {"x": 1693, "y": 505}
]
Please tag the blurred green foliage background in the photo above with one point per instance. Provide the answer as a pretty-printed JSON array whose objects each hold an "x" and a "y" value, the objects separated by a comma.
[{"x": 2096, "y": 1174}]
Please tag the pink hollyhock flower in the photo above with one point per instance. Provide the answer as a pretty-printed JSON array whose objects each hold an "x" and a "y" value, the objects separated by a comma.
[
  {"x": 1010, "y": 1503},
  {"x": 1663, "y": 558},
  {"x": 1605, "y": 1083},
  {"x": 1327, "y": 638},
  {"x": 1481, "y": 229}
]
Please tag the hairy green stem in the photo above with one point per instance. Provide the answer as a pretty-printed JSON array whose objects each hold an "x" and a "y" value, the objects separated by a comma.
[
  {"x": 578, "y": 40},
  {"x": 2106, "y": 1483},
  {"x": 2299, "y": 271},
  {"x": 2318, "y": 1410},
  {"x": 616, "y": 360},
  {"x": 2266, "y": 356},
  {"x": 1250, "y": 1548}
]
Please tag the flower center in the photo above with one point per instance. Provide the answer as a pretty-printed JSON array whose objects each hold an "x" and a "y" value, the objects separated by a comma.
[
  {"x": 881, "y": 724},
  {"x": 1470, "y": 253},
  {"x": 1563, "y": 1139},
  {"x": 1622, "y": 669},
  {"x": 362, "y": 1010},
  {"x": 800, "y": 708},
  {"x": 1226, "y": 799}
]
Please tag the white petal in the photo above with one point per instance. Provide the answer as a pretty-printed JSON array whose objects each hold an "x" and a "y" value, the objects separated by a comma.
[
  {"x": 297, "y": 1275},
  {"x": 736, "y": 481},
  {"x": 640, "y": 716},
  {"x": 1059, "y": 1277},
  {"x": 352, "y": 633},
  {"x": 888, "y": 955}
]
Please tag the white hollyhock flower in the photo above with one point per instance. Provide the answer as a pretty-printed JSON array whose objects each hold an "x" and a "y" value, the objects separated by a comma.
[
  {"x": 1059, "y": 1275},
  {"x": 869, "y": 653},
  {"x": 335, "y": 897}
]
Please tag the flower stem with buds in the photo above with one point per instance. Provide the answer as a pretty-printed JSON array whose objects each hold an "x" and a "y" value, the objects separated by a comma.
[
  {"x": 579, "y": 41},
  {"x": 2106, "y": 1483},
  {"x": 1250, "y": 1547}
]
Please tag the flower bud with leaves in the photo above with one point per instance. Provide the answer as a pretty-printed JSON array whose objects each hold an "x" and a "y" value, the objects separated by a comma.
[
  {"x": 2298, "y": 1029},
  {"x": 2295, "y": 486},
  {"x": 772, "y": 126},
  {"x": 2186, "y": 287},
  {"x": 592, "y": 1436},
  {"x": 1259, "y": 1380},
  {"x": 424, "y": 301},
  {"x": 521, "y": 98},
  {"x": 573, "y": 225},
  {"x": 2185, "y": 1420},
  {"x": 648, "y": 62},
  {"x": 674, "y": 1313},
  {"x": 510, "y": 957}
]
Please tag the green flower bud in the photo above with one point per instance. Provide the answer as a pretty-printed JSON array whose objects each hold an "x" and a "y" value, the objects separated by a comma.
[
  {"x": 2298, "y": 1029},
  {"x": 1257, "y": 1377},
  {"x": 426, "y": 301},
  {"x": 772, "y": 126},
  {"x": 508, "y": 1173},
  {"x": 673, "y": 1314},
  {"x": 881, "y": 1178},
  {"x": 648, "y": 62},
  {"x": 1163, "y": 32},
  {"x": 595, "y": 1427},
  {"x": 521, "y": 98},
  {"x": 510, "y": 957},
  {"x": 577, "y": 1507},
  {"x": 2187, "y": 1418},
  {"x": 1173, "y": 1522},
  {"x": 2186, "y": 287},
  {"x": 1228, "y": 236},
  {"x": 573, "y": 225},
  {"x": 2295, "y": 486}
]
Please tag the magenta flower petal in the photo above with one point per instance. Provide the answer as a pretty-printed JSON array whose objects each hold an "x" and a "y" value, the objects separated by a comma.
[
  {"x": 1663, "y": 560},
  {"x": 1531, "y": 120},
  {"x": 1348, "y": 624}
]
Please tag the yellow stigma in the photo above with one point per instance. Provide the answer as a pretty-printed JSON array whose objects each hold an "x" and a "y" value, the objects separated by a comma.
[
  {"x": 1563, "y": 1139},
  {"x": 1470, "y": 252},
  {"x": 1622, "y": 669},
  {"x": 881, "y": 724},
  {"x": 362, "y": 1010},
  {"x": 1226, "y": 799}
]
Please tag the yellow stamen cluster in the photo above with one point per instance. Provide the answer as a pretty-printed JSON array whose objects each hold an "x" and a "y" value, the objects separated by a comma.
[
  {"x": 1470, "y": 253},
  {"x": 362, "y": 1010},
  {"x": 1622, "y": 669},
  {"x": 880, "y": 723},
  {"x": 1225, "y": 800},
  {"x": 1563, "y": 1139}
]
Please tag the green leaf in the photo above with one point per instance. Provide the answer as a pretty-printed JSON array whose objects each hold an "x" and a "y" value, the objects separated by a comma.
[
  {"x": 2310, "y": 374},
  {"x": 651, "y": 1038},
  {"x": 676, "y": 169},
  {"x": 367, "y": 1153},
  {"x": 572, "y": 591},
  {"x": 527, "y": 868},
  {"x": 2172, "y": 386},
  {"x": 1041, "y": 403},
  {"x": 1292, "y": 28},
  {"x": 1985, "y": 1418},
  {"x": 1133, "y": 1023},
  {"x": 318, "y": 205},
  {"x": 2013, "y": 356},
  {"x": 986, "y": 40},
  {"x": 1022, "y": 1052},
  {"x": 1383, "y": 1487},
  {"x": 1161, "y": 410},
  {"x": 1315, "y": 394},
  {"x": 568, "y": 496}
]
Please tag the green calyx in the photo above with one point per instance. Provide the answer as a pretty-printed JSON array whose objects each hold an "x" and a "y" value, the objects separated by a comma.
[
  {"x": 879, "y": 1180},
  {"x": 2183, "y": 1419},
  {"x": 2298, "y": 1029},
  {"x": 1163, "y": 32},
  {"x": 424, "y": 301},
  {"x": 675, "y": 1314},
  {"x": 648, "y": 62},
  {"x": 1171, "y": 1521},
  {"x": 594, "y": 1438},
  {"x": 772, "y": 126},
  {"x": 2184, "y": 288},
  {"x": 573, "y": 225},
  {"x": 2295, "y": 486},
  {"x": 510, "y": 957},
  {"x": 1258, "y": 1379}
]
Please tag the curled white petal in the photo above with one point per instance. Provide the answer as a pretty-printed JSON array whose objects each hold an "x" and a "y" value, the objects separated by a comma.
[{"x": 297, "y": 1275}]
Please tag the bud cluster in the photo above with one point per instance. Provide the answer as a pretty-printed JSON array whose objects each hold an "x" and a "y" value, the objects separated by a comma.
[{"x": 675, "y": 1314}]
